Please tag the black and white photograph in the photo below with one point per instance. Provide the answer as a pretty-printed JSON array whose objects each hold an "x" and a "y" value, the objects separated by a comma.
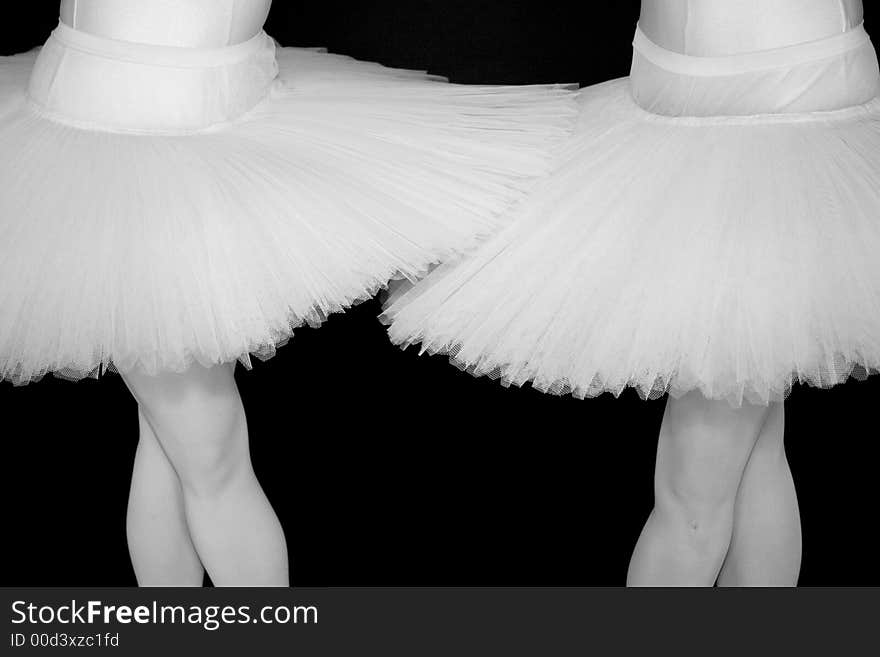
[{"x": 457, "y": 294}]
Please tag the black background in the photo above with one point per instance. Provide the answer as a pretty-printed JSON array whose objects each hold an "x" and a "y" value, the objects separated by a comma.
[{"x": 387, "y": 468}]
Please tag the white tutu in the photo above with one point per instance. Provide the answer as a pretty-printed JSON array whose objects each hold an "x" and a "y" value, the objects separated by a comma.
[
  {"x": 677, "y": 250},
  {"x": 161, "y": 206}
]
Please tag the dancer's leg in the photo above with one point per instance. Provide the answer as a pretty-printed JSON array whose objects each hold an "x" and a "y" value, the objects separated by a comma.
[
  {"x": 766, "y": 546},
  {"x": 159, "y": 543},
  {"x": 198, "y": 419},
  {"x": 703, "y": 449}
]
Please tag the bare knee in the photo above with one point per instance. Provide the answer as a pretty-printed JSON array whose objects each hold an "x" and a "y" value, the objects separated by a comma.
[
  {"x": 199, "y": 422},
  {"x": 705, "y": 521},
  {"x": 701, "y": 509},
  {"x": 216, "y": 459},
  {"x": 703, "y": 450}
]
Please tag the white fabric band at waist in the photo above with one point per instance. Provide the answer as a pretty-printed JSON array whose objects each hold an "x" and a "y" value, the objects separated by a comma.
[
  {"x": 145, "y": 53},
  {"x": 752, "y": 61}
]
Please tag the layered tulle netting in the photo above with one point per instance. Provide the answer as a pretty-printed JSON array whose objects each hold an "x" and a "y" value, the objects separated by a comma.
[
  {"x": 734, "y": 256},
  {"x": 159, "y": 251}
]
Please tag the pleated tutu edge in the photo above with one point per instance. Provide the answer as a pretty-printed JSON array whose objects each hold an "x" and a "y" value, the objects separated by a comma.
[
  {"x": 158, "y": 251},
  {"x": 734, "y": 256}
]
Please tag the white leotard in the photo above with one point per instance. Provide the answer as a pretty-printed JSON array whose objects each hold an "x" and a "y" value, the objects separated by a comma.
[
  {"x": 724, "y": 27},
  {"x": 186, "y": 23}
]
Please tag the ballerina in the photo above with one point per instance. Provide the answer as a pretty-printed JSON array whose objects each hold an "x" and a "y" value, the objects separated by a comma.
[
  {"x": 709, "y": 232},
  {"x": 178, "y": 193}
]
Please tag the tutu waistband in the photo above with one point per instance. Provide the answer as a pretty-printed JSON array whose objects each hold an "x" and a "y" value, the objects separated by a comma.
[
  {"x": 818, "y": 76},
  {"x": 145, "y": 53},
  {"x": 121, "y": 86},
  {"x": 788, "y": 56}
]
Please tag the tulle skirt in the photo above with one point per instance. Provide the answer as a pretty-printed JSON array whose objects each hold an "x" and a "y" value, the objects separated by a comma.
[
  {"x": 713, "y": 225},
  {"x": 161, "y": 206}
]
